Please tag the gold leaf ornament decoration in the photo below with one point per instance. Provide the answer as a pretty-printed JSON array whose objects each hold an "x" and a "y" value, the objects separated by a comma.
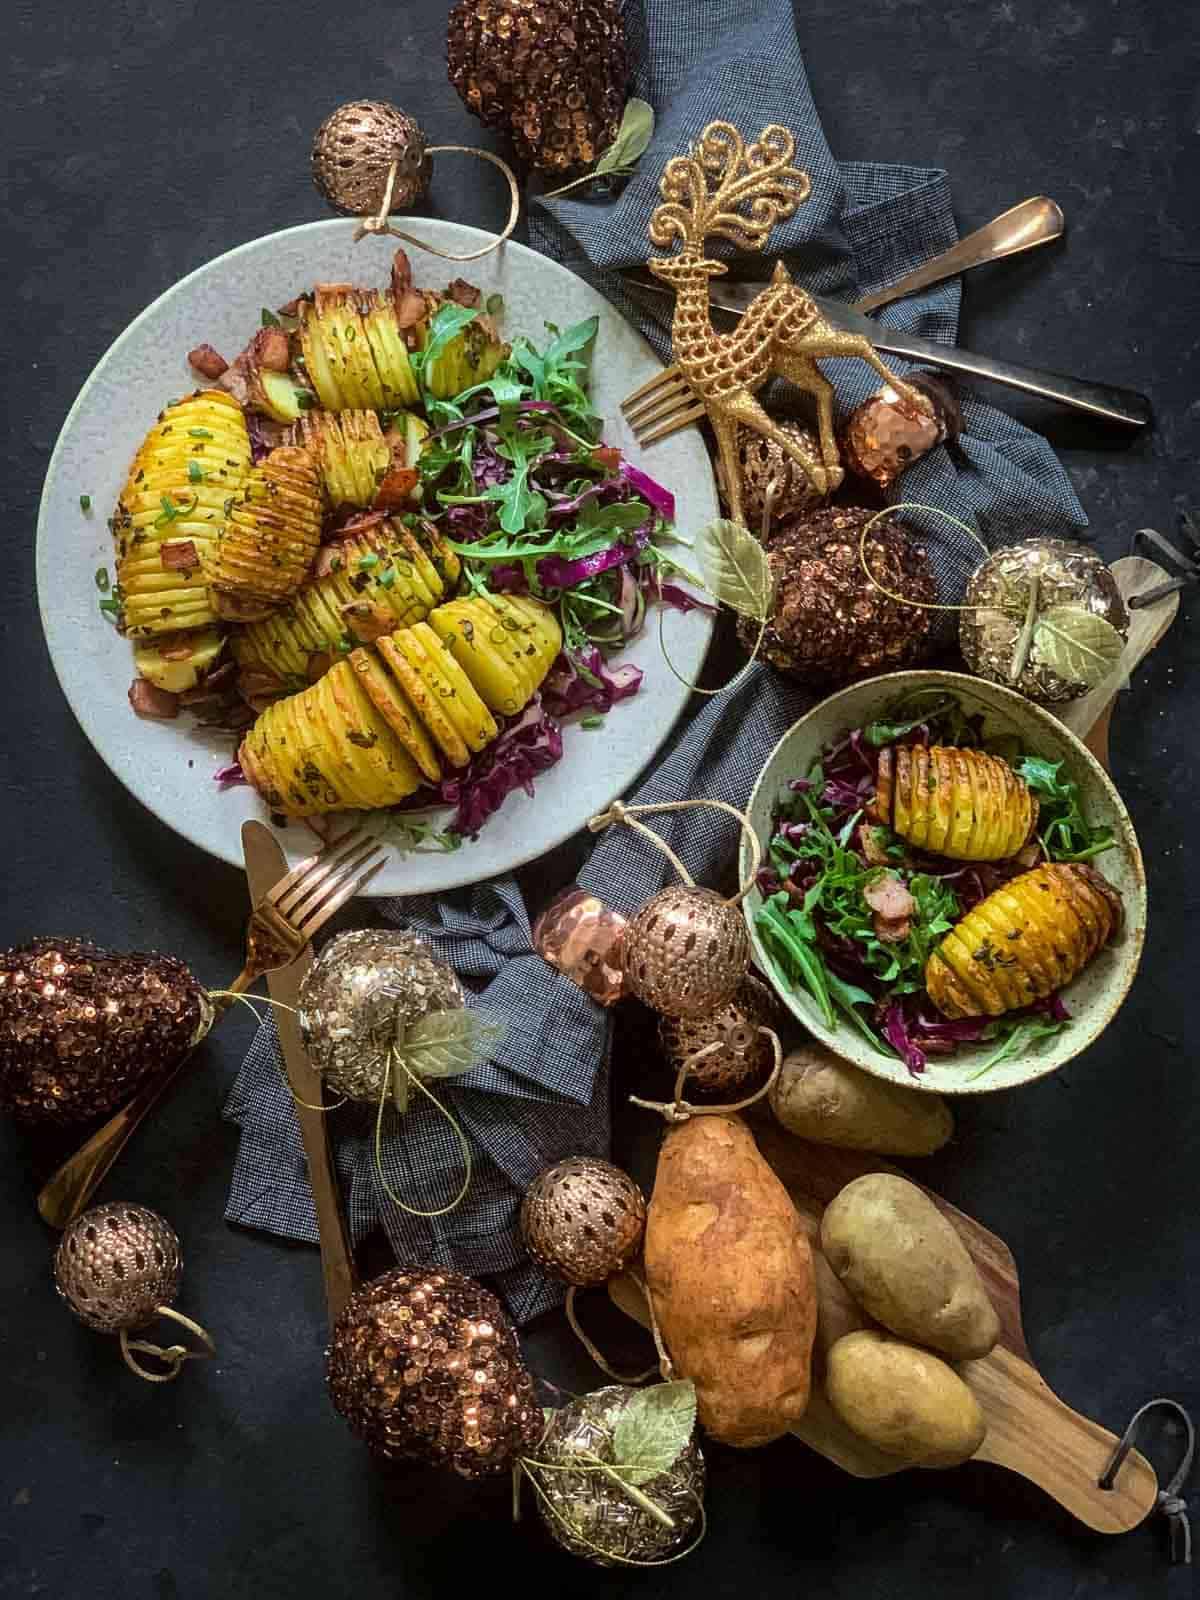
[
  {"x": 735, "y": 568},
  {"x": 1077, "y": 645},
  {"x": 624, "y": 153}
]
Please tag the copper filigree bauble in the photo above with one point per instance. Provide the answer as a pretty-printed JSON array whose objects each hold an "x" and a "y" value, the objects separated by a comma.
[
  {"x": 424, "y": 1365},
  {"x": 82, "y": 1029},
  {"x": 890, "y": 430},
  {"x": 746, "y": 1055},
  {"x": 768, "y": 473},
  {"x": 116, "y": 1265},
  {"x": 353, "y": 151},
  {"x": 998, "y": 594},
  {"x": 589, "y": 1514},
  {"x": 582, "y": 1221},
  {"x": 686, "y": 951},
  {"x": 552, "y": 73},
  {"x": 364, "y": 989}
]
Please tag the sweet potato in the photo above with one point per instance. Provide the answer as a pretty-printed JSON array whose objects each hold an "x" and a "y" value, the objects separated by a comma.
[
  {"x": 822, "y": 1098},
  {"x": 730, "y": 1278}
]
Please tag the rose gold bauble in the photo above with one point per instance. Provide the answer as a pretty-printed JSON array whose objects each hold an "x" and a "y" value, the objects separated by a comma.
[
  {"x": 685, "y": 952},
  {"x": 889, "y": 430},
  {"x": 746, "y": 1055},
  {"x": 583, "y": 1220},
  {"x": 353, "y": 151},
  {"x": 116, "y": 1265}
]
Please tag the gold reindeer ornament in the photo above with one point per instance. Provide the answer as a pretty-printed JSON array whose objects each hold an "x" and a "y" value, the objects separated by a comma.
[{"x": 727, "y": 189}]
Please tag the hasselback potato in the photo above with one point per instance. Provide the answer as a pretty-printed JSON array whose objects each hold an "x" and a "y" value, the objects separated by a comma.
[
  {"x": 389, "y": 717},
  {"x": 1026, "y": 940},
  {"x": 354, "y": 455},
  {"x": 965, "y": 804},
  {"x": 272, "y": 533},
  {"x": 386, "y": 574},
  {"x": 182, "y": 485}
]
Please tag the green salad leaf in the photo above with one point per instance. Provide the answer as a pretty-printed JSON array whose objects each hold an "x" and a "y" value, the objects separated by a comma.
[{"x": 1065, "y": 832}]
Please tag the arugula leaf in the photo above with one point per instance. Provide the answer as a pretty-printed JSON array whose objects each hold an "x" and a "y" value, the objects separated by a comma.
[
  {"x": 1065, "y": 832},
  {"x": 1018, "y": 1034},
  {"x": 446, "y": 322}
]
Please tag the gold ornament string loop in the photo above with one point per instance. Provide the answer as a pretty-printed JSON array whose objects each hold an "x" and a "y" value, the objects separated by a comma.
[
  {"x": 594, "y": 1352},
  {"x": 380, "y": 223},
  {"x": 396, "y": 1062},
  {"x": 900, "y": 599},
  {"x": 229, "y": 995},
  {"x": 531, "y": 1467},
  {"x": 620, "y": 812},
  {"x": 173, "y": 1356},
  {"x": 680, "y": 1110},
  {"x": 695, "y": 687}
]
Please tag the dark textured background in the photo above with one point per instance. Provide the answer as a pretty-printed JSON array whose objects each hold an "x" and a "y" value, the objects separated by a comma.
[{"x": 141, "y": 140}]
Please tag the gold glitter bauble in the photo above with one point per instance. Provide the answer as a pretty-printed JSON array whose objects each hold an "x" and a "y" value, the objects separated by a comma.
[
  {"x": 589, "y": 1514},
  {"x": 747, "y": 1056},
  {"x": 81, "y": 1029},
  {"x": 552, "y": 73},
  {"x": 116, "y": 1265},
  {"x": 364, "y": 989},
  {"x": 424, "y": 1366},
  {"x": 353, "y": 151},
  {"x": 1067, "y": 574},
  {"x": 685, "y": 952},
  {"x": 762, "y": 461},
  {"x": 583, "y": 1220}
]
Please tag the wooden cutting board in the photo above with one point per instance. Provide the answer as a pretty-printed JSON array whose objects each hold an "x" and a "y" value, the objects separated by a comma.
[{"x": 1030, "y": 1430}]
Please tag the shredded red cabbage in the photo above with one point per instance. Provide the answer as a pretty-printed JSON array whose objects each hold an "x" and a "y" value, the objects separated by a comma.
[
  {"x": 528, "y": 745},
  {"x": 895, "y": 1031},
  {"x": 585, "y": 683},
  {"x": 227, "y": 776},
  {"x": 651, "y": 492},
  {"x": 262, "y": 442}
]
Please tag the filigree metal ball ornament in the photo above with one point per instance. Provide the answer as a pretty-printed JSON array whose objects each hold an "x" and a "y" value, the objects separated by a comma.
[
  {"x": 773, "y": 484},
  {"x": 745, "y": 1055},
  {"x": 686, "y": 951},
  {"x": 353, "y": 151},
  {"x": 582, "y": 1221},
  {"x": 118, "y": 1267},
  {"x": 82, "y": 1029},
  {"x": 424, "y": 1366}
]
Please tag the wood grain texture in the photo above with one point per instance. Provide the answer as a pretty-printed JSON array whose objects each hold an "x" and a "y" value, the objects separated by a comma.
[{"x": 1030, "y": 1431}]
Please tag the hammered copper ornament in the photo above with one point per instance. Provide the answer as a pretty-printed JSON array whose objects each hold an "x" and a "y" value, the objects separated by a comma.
[
  {"x": 581, "y": 938},
  {"x": 424, "y": 1366},
  {"x": 886, "y": 433},
  {"x": 82, "y": 1029},
  {"x": 773, "y": 486},
  {"x": 686, "y": 951},
  {"x": 745, "y": 1055},
  {"x": 582, "y": 1221},
  {"x": 353, "y": 151},
  {"x": 118, "y": 1267}
]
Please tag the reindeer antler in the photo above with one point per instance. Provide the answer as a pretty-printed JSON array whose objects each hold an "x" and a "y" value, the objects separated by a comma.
[{"x": 759, "y": 177}]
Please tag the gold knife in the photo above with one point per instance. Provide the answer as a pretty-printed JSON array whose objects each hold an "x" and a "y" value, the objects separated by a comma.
[{"x": 265, "y": 865}]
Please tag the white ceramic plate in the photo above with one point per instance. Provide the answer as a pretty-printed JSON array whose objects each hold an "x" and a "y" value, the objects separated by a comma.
[
  {"x": 1095, "y": 996},
  {"x": 169, "y": 765}
]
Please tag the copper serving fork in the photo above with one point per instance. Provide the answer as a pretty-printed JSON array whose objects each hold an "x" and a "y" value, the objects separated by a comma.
[{"x": 281, "y": 924}]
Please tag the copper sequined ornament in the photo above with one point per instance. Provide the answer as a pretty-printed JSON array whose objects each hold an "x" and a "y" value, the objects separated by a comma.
[
  {"x": 365, "y": 988},
  {"x": 830, "y": 624},
  {"x": 582, "y": 1221},
  {"x": 552, "y": 73},
  {"x": 998, "y": 596},
  {"x": 353, "y": 151},
  {"x": 891, "y": 430},
  {"x": 81, "y": 1029},
  {"x": 588, "y": 1513},
  {"x": 767, "y": 473},
  {"x": 581, "y": 938},
  {"x": 746, "y": 1056},
  {"x": 686, "y": 951},
  {"x": 424, "y": 1366}
]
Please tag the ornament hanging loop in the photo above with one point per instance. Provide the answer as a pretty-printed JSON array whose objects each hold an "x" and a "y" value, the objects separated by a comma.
[
  {"x": 173, "y": 1356},
  {"x": 380, "y": 222},
  {"x": 620, "y": 812},
  {"x": 680, "y": 1110},
  {"x": 1170, "y": 1501}
]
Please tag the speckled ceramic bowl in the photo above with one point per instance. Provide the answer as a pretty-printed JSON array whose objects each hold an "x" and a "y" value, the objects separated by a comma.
[{"x": 1095, "y": 996}]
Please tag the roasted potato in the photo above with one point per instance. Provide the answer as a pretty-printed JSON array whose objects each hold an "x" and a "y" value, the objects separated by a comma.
[
  {"x": 505, "y": 645},
  {"x": 820, "y": 1097},
  {"x": 270, "y": 538},
  {"x": 182, "y": 486},
  {"x": 177, "y": 661},
  {"x": 905, "y": 1401},
  {"x": 964, "y": 804},
  {"x": 1027, "y": 939},
  {"x": 907, "y": 1267}
]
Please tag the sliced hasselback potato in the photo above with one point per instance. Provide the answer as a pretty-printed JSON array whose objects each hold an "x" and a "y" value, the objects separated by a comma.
[
  {"x": 964, "y": 804},
  {"x": 182, "y": 486},
  {"x": 1026, "y": 940},
  {"x": 374, "y": 581},
  {"x": 272, "y": 534},
  {"x": 354, "y": 455},
  {"x": 177, "y": 662},
  {"x": 505, "y": 645}
]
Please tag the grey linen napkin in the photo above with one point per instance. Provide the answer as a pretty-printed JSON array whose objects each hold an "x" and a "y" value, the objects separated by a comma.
[{"x": 545, "y": 1094}]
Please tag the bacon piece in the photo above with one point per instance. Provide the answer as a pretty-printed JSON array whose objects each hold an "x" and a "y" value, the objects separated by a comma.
[
  {"x": 319, "y": 663},
  {"x": 402, "y": 279},
  {"x": 872, "y": 849},
  {"x": 368, "y": 622},
  {"x": 179, "y": 555},
  {"x": 463, "y": 294},
  {"x": 208, "y": 362},
  {"x": 395, "y": 488},
  {"x": 891, "y": 932},
  {"x": 148, "y": 700},
  {"x": 410, "y": 309},
  {"x": 174, "y": 646},
  {"x": 889, "y": 899},
  {"x": 270, "y": 348}
]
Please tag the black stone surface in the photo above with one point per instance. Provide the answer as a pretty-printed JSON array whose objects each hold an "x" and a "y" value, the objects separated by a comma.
[{"x": 143, "y": 139}]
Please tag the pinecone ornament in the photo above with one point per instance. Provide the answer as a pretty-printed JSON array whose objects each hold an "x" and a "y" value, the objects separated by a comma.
[{"x": 551, "y": 73}]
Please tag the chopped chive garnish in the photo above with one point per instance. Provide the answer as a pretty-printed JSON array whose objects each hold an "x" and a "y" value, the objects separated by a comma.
[
  {"x": 591, "y": 722},
  {"x": 199, "y": 433},
  {"x": 102, "y": 580},
  {"x": 270, "y": 320},
  {"x": 85, "y": 502},
  {"x": 388, "y": 577},
  {"x": 195, "y": 475},
  {"x": 369, "y": 560},
  {"x": 304, "y": 399},
  {"x": 111, "y": 607},
  {"x": 495, "y": 304}
]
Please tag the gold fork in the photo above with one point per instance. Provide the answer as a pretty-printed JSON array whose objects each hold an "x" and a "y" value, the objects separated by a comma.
[{"x": 280, "y": 926}]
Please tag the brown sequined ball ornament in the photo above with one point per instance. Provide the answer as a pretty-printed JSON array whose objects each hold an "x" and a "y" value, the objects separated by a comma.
[
  {"x": 767, "y": 473},
  {"x": 117, "y": 1266},
  {"x": 587, "y": 1512},
  {"x": 685, "y": 952},
  {"x": 551, "y": 73},
  {"x": 1073, "y": 587},
  {"x": 353, "y": 151},
  {"x": 745, "y": 1057},
  {"x": 889, "y": 431},
  {"x": 583, "y": 1220},
  {"x": 424, "y": 1366},
  {"x": 831, "y": 624},
  {"x": 81, "y": 1029}
]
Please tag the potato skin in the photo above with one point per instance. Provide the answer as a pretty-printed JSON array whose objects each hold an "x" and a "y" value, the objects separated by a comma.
[
  {"x": 730, "y": 1278},
  {"x": 907, "y": 1267},
  {"x": 964, "y": 804},
  {"x": 907, "y": 1402},
  {"x": 819, "y": 1097}
]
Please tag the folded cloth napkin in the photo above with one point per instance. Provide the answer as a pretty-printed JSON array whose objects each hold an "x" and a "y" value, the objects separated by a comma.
[{"x": 544, "y": 1095}]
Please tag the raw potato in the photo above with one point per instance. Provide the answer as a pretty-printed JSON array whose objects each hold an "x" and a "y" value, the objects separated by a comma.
[
  {"x": 730, "y": 1278},
  {"x": 906, "y": 1402},
  {"x": 907, "y": 1267},
  {"x": 838, "y": 1312},
  {"x": 819, "y": 1097}
]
